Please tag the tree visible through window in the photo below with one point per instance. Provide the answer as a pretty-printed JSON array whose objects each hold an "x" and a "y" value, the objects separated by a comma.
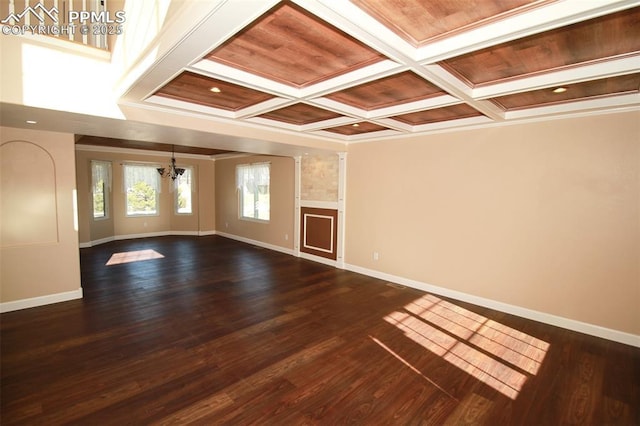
[
  {"x": 184, "y": 189},
  {"x": 100, "y": 185},
  {"x": 253, "y": 190},
  {"x": 141, "y": 184}
]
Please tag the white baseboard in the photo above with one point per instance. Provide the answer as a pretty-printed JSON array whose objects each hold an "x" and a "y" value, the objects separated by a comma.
[
  {"x": 256, "y": 243},
  {"x": 40, "y": 300},
  {"x": 570, "y": 324},
  {"x": 185, "y": 233},
  {"x": 319, "y": 259},
  {"x": 146, "y": 235}
]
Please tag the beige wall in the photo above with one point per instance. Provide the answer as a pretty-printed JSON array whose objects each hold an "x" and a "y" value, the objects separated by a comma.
[
  {"x": 543, "y": 216},
  {"x": 279, "y": 230},
  {"x": 37, "y": 194},
  {"x": 118, "y": 224}
]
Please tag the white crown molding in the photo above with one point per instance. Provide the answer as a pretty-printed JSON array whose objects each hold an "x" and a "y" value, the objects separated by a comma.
[
  {"x": 245, "y": 124},
  {"x": 514, "y": 118},
  {"x": 596, "y": 105},
  {"x": 630, "y": 64},
  {"x": 190, "y": 107},
  {"x": 219, "y": 157},
  {"x": 534, "y": 21}
]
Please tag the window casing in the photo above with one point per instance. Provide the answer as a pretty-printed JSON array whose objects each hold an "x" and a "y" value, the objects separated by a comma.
[
  {"x": 142, "y": 187},
  {"x": 254, "y": 193},
  {"x": 100, "y": 189},
  {"x": 183, "y": 193}
]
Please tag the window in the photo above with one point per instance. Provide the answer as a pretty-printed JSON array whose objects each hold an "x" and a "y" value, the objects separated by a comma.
[
  {"x": 100, "y": 188},
  {"x": 253, "y": 190},
  {"x": 184, "y": 190},
  {"x": 142, "y": 185}
]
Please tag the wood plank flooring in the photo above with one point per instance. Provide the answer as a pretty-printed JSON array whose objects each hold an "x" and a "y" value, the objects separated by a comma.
[{"x": 220, "y": 332}]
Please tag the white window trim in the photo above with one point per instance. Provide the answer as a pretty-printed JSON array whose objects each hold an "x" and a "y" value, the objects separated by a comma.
[
  {"x": 106, "y": 190},
  {"x": 239, "y": 196},
  {"x": 191, "y": 170},
  {"x": 124, "y": 189}
]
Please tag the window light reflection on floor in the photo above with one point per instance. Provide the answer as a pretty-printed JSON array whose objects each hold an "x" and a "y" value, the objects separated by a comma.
[
  {"x": 497, "y": 355},
  {"x": 133, "y": 256}
]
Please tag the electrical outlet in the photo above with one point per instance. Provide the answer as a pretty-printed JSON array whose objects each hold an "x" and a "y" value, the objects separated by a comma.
[
  {"x": 226, "y": 225},
  {"x": 376, "y": 255},
  {"x": 286, "y": 237}
]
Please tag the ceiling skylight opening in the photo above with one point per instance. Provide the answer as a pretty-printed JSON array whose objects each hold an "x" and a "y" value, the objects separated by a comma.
[{"x": 559, "y": 90}]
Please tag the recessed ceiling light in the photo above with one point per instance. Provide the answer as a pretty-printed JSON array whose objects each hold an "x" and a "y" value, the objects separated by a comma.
[
  {"x": 215, "y": 90},
  {"x": 355, "y": 125},
  {"x": 559, "y": 90},
  {"x": 31, "y": 122}
]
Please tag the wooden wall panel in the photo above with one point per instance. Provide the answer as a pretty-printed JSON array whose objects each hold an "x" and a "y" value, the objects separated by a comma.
[{"x": 319, "y": 232}]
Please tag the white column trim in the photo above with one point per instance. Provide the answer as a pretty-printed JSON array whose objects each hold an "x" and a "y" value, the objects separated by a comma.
[
  {"x": 296, "y": 209},
  {"x": 342, "y": 205}
]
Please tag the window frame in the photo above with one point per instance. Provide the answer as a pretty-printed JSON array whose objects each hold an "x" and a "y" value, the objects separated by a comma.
[
  {"x": 158, "y": 184},
  {"x": 190, "y": 171},
  {"x": 240, "y": 191},
  {"x": 106, "y": 190}
]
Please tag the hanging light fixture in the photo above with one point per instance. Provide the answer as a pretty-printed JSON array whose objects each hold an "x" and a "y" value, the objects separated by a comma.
[{"x": 173, "y": 171}]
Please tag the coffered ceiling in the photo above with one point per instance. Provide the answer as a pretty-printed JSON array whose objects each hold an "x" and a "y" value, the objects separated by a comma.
[{"x": 374, "y": 69}]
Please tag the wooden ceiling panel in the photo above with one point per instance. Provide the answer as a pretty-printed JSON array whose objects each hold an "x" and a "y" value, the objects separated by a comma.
[
  {"x": 196, "y": 88},
  {"x": 284, "y": 53},
  {"x": 357, "y": 128},
  {"x": 293, "y": 47},
  {"x": 394, "y": 90},
  {"x": 300, "y": 114},
  {"x": 454, "y": 112},
  {"x": 420, "y": 21},
  {"x": 149, "y": 146},
  {"x": 592, "y": 40},
  {"x": 579, "y": 91}
]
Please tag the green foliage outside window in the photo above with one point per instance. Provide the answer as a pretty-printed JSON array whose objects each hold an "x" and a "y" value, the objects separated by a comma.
[
  {"x": 101, "y": 184},
  {"x": 98, "y": 199},
  {"x": 141, "y": 199},
  {"x": 182, "y": 200}
]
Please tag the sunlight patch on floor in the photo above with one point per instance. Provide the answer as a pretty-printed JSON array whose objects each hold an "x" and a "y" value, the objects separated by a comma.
[
  {"x": 133, "y": 256},
  {"x": 497, "y": 355},
  {"x": 517, "y": 348}
]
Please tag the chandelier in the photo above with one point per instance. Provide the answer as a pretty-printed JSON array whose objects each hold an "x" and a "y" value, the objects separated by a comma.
[{"x": 173, "y": 171}]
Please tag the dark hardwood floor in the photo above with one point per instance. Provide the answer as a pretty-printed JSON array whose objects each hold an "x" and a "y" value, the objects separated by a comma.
[{"x": 220, "y": 332}]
